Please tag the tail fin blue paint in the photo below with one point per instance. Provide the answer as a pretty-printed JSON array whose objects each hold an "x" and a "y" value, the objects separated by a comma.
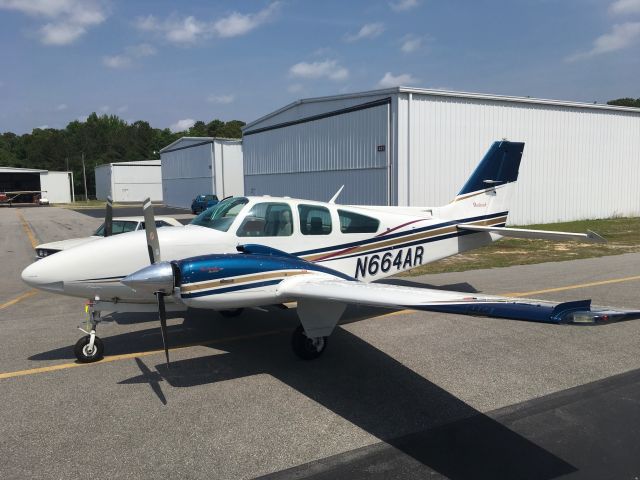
[{"x": 499, "y": 166}]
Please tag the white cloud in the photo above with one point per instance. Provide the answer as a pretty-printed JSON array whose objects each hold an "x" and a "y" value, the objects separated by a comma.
[
  {"x": 131, "y": 52},
  {"x": 42, "y": 127},
  {"x": 189, "y": 30},
  {"x": 116, "y": 61},
  {"x": 390, "y": 80},
  {"x": 104, "y": 108},
  {"x": 370, "y": 30},
  {"x": 241, "y": 24},
  {"x": 404, "y": 5},
  {"x": 622, "y": 7},
  {"x": 67, "y": 20},
  {"x": 122, "y": 108},
  {"x": 221, "y": 99},
  {"x": 411, "y": 43},
  {"x": 621, "y": 36},
  {"x": 83, "y": 118},
  {"x": 182, "y": 125},
  {"x": 62, "y": 107},
  {"x": 327, "y": 69}
]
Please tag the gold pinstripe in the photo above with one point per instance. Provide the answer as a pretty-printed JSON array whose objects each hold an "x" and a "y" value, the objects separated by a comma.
[
  {"x": 407, "y": 238},
  {"x": 242, "y": 280}
]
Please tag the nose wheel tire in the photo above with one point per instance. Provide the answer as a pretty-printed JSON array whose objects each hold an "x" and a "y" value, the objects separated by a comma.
[
  {"x": 85, "y": 354},
  {"x": 307, "y": 348}
]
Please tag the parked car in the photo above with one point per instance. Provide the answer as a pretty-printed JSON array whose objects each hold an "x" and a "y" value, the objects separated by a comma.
[
  {"x": 120, "y": 225},
  {"x": 202, "y": 202}
]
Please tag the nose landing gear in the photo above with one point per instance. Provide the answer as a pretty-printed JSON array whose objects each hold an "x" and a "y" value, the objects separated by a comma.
[{"x": 89, "y": 348}]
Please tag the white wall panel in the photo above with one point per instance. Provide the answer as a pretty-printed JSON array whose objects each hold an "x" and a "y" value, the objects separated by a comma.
[
  {"x": 228, "y": 174},
  {"x": 57, "y": 186},
  {"x": 103, "y": 181},
  {"x": 578, "y": 163}
]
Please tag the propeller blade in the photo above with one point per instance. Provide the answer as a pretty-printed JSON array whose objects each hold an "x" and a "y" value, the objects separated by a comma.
[
  {"x": 162, "y": 313},
  {"x": 108, "y": 218},
  {"x": 153, "y": 245}
]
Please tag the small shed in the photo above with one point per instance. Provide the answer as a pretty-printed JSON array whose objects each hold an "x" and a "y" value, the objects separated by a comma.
[
  {"x": 194, "y": 166},
  {"x": 57, "y": 187},
  {"x": 129, "y": 181}
]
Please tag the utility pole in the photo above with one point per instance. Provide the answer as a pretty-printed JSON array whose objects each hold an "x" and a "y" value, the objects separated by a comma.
[{"x": 84, "y": 176}]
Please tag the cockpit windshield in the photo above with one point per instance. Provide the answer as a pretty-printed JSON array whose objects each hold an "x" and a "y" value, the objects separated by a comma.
[{"x": 221, "y": 215}]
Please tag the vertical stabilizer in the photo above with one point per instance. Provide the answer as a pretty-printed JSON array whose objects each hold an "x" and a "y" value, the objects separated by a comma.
[{"x": 489, "y": 189}]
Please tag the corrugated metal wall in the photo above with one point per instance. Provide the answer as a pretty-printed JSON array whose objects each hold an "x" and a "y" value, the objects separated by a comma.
[
  {"x": 312, "y": 159},
  {"x": 578, "y": 163},
  {"x": 186, "y": 173}
]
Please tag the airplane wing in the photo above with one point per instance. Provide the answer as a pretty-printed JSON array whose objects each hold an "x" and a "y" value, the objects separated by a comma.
[
  {"x": 590, "y": 236},
  {"x": 324, "y": 289}
]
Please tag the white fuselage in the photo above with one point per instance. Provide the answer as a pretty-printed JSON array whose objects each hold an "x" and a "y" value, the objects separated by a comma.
[{"x": 404, "y": 238}]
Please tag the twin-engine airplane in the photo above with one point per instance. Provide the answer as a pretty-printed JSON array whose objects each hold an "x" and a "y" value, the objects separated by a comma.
[{"x": 261, "y": 251}]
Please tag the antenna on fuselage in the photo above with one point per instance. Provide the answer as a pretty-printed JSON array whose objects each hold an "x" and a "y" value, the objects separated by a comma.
[{"x": 333, "y": 199}]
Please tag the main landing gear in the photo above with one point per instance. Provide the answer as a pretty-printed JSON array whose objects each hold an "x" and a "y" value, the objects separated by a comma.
[
  {"x": 307, "y": 348},
  {"x": 89, "y": 348}
]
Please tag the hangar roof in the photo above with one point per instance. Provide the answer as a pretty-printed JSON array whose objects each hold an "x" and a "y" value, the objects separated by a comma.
[
  {"x": 132, "y": 164},
  {"x": 193, "y": 141},
  {"x": 21, "y": 170},
  {"x": 442, "y": 93}
]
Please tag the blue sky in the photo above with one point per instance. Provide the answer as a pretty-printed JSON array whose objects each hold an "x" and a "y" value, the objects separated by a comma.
[{"x": 175, "y": 62}]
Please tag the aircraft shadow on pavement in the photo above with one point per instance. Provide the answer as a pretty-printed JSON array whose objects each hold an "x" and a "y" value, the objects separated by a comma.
[
  {"x": 354, "y": 380},
  {"x": 378, "y": 394}
]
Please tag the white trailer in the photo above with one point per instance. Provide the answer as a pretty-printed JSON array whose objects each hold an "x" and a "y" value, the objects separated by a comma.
[{"x": 129, "y": 181}]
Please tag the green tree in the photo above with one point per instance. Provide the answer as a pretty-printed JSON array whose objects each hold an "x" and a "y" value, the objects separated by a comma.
[
  {"x": 102, "y": 139},
  {"x": 625, "y": 102}
]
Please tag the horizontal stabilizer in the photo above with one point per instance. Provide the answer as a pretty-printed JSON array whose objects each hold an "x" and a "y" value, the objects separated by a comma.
[{"x": 591, "y": 237}]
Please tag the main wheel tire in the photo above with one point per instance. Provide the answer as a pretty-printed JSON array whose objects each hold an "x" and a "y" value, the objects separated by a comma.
[
  {"x": 307, "y": 348},
  {"x": 231, "y": 313},
  {"x": 82, "y": 352}
]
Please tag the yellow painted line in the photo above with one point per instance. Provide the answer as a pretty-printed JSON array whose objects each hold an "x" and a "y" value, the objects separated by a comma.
[
  {"x": 28, "y": 294},
  {"x": 573, "y": 287},
  {"x": 27, "y": 229},
  {"x": 126, "y": 356}
]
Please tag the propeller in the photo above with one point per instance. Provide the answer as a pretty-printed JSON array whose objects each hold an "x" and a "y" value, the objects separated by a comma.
[
  {"x": 108, "y": 218},
  {"x": 153, "y": 247}
]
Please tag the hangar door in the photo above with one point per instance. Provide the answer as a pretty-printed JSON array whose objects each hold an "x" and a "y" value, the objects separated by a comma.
[{"x": 312, "y": 157}]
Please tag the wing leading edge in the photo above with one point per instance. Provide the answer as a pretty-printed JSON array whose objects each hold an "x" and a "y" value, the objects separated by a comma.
[{"x": 391, "y": 296}]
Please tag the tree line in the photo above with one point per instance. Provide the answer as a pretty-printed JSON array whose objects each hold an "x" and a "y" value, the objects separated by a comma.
[
  {"x": 625, "y": 102},
  {"x": 102, "y": 139}
]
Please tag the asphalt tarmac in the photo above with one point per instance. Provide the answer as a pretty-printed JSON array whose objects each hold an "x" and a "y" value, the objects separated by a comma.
[{"x": 396, "y": 394}]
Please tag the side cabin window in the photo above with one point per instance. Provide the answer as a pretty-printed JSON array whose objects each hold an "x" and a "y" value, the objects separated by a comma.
[
  {"x": 267, "y": 220},
  {"x": 314, "y": 220},
  {"x": 351, "y": 222}
]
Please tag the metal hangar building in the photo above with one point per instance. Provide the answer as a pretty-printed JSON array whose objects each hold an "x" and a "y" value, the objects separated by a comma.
[
  {"x": 194, "y": 166},
  {"x": 129, "y": 181},
  {"x": 413, "y": 146}
]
